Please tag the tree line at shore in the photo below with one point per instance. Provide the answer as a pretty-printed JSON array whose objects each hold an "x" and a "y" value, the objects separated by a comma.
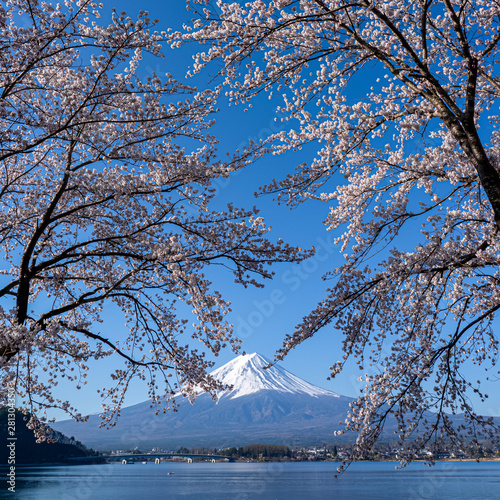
[
  {"x": 383, "y": 451},
  {"x": 57, "y": 448}
]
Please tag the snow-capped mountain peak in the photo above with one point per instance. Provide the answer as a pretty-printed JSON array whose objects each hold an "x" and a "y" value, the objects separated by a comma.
[
  {"x": 271, "y": 406},
  {"x": 247, "y": 375}
]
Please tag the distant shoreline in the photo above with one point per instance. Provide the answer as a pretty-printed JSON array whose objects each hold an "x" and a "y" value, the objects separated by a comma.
[{"x": 59, "y": 464}]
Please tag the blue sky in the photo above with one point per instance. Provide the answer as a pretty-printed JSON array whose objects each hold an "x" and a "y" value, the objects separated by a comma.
[{"x": 262, "y": 317}]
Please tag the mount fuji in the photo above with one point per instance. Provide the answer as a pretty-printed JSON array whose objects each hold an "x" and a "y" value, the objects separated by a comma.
[
  {"x": 270, "y": 406},
  {"x": 247, "y": 375}
]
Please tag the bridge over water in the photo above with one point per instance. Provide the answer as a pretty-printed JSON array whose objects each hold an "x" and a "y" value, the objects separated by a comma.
[{"x": 141, "y": 457}]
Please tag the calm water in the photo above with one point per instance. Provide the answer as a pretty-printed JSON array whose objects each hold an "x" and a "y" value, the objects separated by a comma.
[{"x": 278, "y": 481}]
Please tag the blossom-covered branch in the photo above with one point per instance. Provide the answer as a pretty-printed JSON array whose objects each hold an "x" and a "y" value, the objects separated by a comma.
[
  {"x": 105, "y": 189},
  {"x": 400, "y": 98}
]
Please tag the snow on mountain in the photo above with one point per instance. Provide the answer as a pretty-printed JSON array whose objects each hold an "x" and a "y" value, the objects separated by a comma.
[{"x": 246, "y": 375}]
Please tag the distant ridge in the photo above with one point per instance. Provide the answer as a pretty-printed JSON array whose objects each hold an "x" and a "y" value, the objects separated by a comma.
[{"x": 28, "y": 452}]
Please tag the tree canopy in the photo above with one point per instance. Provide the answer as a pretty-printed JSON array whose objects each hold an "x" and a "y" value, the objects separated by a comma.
[
  {"x": 401, "y": 100},
  {"x": 105, "y": 189}
]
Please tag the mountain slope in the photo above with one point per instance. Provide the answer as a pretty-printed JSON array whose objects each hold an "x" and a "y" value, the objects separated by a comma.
[{"x": 272, "y": 406}]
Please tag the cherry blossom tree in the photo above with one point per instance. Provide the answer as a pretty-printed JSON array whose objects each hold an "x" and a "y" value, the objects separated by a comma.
[
  {"x": 401, "y": 100},
  {"x": 105, "y": 210}
]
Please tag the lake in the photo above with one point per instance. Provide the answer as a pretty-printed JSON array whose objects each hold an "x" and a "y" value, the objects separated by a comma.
[{"x": 266, "y": 481}]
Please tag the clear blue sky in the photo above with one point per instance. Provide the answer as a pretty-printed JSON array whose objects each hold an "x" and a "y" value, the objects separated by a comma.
[{"x": 262, "y": 317}]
